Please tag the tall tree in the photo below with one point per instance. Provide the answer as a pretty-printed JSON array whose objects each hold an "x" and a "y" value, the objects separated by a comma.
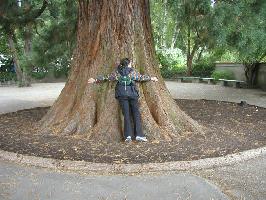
[
  {"x": 241, "y": 27},
  {"x": 53, "y": 45},
  {"x": 192, "y": 19},
  {"x": 187, "y": 26},
  {"x": 15, "y": 14},
  {"x": 164, "y": 23},
  {"x": 109, "y": 30}
]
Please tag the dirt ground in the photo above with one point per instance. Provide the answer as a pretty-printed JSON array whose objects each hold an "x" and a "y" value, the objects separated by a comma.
[{"x": 231, "y": 128}]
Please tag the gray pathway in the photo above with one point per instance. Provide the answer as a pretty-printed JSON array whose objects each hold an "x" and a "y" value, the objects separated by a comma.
[
  {"x": 242, "y": 181},
  {"x": 23, "y": 183},
  {"x": 216, "y": 92},
  {"x": 13, "y": 98},
  {"x": 245, "y": 181},
  {"x": 44, "y": 94}
]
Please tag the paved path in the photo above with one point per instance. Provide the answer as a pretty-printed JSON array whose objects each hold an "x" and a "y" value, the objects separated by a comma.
[
  {"x": 241, "y": 181},
  {"x": 245, "y": 181},
  {"x": 24, "y": 183},
  {"x": 39, "y": 95},
  {"x": 216, "y": 92}
]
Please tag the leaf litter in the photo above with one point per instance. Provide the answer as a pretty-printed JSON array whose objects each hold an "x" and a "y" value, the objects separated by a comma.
[{"x": 230, "y": 128}]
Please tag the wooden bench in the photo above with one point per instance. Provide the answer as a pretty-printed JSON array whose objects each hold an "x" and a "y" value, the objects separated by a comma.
[
  {"x": 189, "y": 78},
  {"x": 209, "y": 80},
  {"x": 235, "y": 83}
]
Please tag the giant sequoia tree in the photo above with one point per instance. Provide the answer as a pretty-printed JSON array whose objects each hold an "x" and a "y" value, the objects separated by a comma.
[{"x": 109, "y": 30}]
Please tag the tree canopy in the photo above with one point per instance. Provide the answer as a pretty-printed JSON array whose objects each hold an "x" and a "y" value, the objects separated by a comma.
[
  {"x": 44, "y": 32},
  {"x": 241, "y": 27}
]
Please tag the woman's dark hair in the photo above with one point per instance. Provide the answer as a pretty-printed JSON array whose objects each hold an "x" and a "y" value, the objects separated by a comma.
[{"x": 124, "y": 63}]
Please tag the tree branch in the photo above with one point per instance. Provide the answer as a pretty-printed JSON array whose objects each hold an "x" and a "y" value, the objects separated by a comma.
[
  {"x": 23, "y": 19},
  {"x": 195, "y": 47},
  {"x": 35, "y": 13}
]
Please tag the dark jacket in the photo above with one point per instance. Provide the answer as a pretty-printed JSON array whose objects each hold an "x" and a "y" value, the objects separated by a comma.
[
  {"x": 125, "y": 91},
  {"x": 122, "y": 90}
]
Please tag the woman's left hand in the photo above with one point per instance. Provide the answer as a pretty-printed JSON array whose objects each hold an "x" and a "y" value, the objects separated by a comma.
[{"x": 91, "y": 80}]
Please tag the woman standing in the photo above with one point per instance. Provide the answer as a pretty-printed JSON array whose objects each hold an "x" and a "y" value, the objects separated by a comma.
[{"x": 127, "y": 95}]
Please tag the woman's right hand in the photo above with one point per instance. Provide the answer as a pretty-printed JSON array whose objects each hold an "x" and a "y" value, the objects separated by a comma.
[
  {"x": 154, "y": 78},
  {"x": 91, "y": 80}
]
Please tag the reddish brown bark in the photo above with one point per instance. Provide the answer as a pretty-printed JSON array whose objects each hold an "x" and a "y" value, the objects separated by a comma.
[{"x": 109, "y": 30}]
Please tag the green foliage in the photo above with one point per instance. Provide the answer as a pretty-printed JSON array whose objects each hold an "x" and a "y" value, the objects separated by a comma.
[
  {"x": 223, "y": 75},
  {"x": 171, "y": 64},
  {"x": 60, "y": 72},
  {"x": 230, "y": 31},
  {"x": 15, "y": 15},
  {"x": 163, "y": 23},
  {"x": 234, "y": 30},
  {"x": 39, "y": 72},
  {"x": 48, "y": 26},
  {"x": 203, "y": 69},
  {"x": 173, "y": 73},
  {"x": 184, "y": 25},
  {"x": 241, "y": 28},
  {"x": 7, "y": 71},
  {"x": 54, "y": 45},
  {"x": 228, "y": 56},
  {"x": 4, "y": 49},
  {"x": 17, "y": 21},
  {"x": 7, "y": 76},
  {"x": 171, "y": 57},
  {"x": 38, "y": 75},
  {"x": 205, "y": 66},
  {"x": 192, "y": 18}
]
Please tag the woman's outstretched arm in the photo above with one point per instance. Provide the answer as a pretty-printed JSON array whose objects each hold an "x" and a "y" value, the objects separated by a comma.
[
  {"x": 110, "y": 77},
  {"x": 136, "y": 76}
]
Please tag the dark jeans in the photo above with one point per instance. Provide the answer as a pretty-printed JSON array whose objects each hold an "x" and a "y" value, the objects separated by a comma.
[{"x": 130, "y": 108}]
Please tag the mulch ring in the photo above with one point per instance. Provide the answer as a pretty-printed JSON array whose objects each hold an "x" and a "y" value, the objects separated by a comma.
[{"x": 231, "y": 128}]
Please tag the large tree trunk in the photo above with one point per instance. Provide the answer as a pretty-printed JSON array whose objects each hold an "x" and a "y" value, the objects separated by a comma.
[
  {"x": 109, "y": 30},
  {"x": 251, "y": 72},
  {"x": 22, "y": 75},
  {"x": 189, "y": 57},
  {"x": 15, "y": 57},
  {"x": 27, "y": 53}
]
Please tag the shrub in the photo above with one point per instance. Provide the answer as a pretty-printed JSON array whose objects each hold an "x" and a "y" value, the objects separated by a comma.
[
  {"x": 38, "y": 75},
  {"x": 7, "y": 76},
  {"x": 39, "y": 72},
  {"x": 225, "y": 74},
  {"x": 173, "y": 72},
  {"x": 170, "y": 67},
  {"x": 203, "y": 69},
  {"x": 61, "y": 71}
]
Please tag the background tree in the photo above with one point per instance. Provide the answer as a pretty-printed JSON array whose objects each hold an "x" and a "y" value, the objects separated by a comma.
[
  {"x": 109, "y": 30},
  {"x": 163, "y": 24},
  {"x": 192, "y": 20},
  {"x": 53, "y": 45},
  {"x": 20, "y": 14},
  {"x": 241, "y": 28},
  {"x": 187, "y": 25}
]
